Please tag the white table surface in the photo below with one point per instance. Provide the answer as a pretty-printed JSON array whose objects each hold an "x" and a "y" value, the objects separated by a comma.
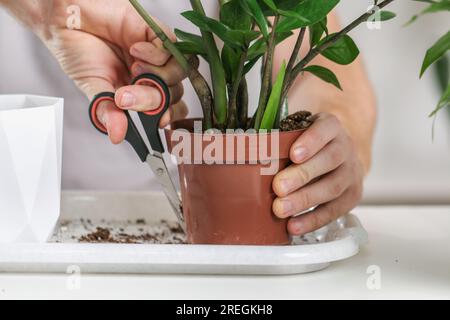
[{"x": 409, "y": 245}]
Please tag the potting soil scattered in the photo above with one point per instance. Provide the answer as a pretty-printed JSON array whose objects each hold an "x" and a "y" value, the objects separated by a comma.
[{"x": 119, "y": 232}]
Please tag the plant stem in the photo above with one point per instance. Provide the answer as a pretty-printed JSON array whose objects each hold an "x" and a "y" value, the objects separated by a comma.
[
  {"x": 243, "y": 104},
  {"x": 233, "y": 112},
  {"x": 290, "y": 67},
  {"x": 217, "y": 70},
  {"x": 190, "y": 66},
  {"x": 267, "y": 75},
  {"x": 332, "y": 40},
  {"x": 204, "y": 94},
  {"x": 295, "y": 55}
]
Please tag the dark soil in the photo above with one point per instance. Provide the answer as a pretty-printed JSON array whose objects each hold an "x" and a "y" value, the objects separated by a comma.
[
  {"x": 104, "y": 235},
  {"x": 298, "y": 121}
]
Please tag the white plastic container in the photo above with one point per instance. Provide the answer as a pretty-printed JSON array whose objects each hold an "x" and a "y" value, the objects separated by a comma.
[
  {"x": 30, "y": 167},
  {"x": 340, "y": 240}
]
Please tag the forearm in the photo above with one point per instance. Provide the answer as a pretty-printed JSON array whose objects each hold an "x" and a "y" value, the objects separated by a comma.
[
  {"x": 355, "y": 106},
  {"x": 30, "y": 13}
]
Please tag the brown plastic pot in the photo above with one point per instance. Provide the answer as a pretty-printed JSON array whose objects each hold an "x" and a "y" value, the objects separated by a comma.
[{"x": 231, "y": 203}]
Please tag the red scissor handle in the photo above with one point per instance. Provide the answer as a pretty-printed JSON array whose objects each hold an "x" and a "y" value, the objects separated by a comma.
[
  {"x": 151, "y": 81},
  {"x": 150, "y": 119},
  {"x": 104, "y": 96}
]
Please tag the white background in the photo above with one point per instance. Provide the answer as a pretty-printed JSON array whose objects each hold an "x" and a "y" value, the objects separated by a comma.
[{"x": 407, "y": 166}]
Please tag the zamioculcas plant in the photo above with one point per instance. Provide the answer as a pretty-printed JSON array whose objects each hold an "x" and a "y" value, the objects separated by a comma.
[
  {"x": 250, "y": 31},
  {"x": 232, "y": 203}
]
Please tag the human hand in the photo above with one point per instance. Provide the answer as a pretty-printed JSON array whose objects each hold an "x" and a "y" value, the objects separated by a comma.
[
  {"x": 112, "y": 46},
  {"x": 326, "y": 173}
]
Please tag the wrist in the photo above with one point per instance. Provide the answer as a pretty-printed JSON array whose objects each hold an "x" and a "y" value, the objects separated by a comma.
[{"x": 38, "y": 16}]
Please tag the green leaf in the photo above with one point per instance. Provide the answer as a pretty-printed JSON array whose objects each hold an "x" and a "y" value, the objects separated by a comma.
[
  {"x": 312, "y": 10},
  {"x": 271, "y": 9},
  {"x": 316, "y": 32},
  {"x": 343, "y": 52},
  {"x": 230, "y": 60},
  {"x": 443, "y": 5},
  {"x": 187, "y": 47},
  {"x": 381, "y": 15},
  {"x": 253, "y": 9},
  {"x": 442, "y": 70},
  {"x": 437, "y": 6},
  {"x": 324, "y": 74},
  {"x": 249, "y": 65},
  {"x": 234, "y": 38},
  {"x": 232, "y": 15},
  {"x": 270, "y": 4},
  {"x": 443, "y": 102},
  {"x": 189, "y": 37},
  {"x": 293, "y": 15},
  {"x": 436, "y": 52},
  {"x": 271, "y": 113}
]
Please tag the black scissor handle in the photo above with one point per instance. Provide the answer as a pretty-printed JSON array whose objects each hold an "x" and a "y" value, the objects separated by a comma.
[
  {"x": 132, "y": 136},
  {"x": 151, "y": 119}
]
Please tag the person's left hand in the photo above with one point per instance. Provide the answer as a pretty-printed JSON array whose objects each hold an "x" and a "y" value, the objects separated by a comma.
[{"x": 326, "y": 173}]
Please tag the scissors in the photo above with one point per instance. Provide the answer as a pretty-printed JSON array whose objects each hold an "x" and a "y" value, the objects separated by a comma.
[{"x": 150, "y": 121}]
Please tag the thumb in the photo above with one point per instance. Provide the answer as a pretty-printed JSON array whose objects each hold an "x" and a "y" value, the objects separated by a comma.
[{"x": 109, "y": 115}]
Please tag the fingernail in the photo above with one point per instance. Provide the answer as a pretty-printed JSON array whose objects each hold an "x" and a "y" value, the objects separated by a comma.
[
  {"x": 286, "y": 185},
  {"x": 128, "y": 100},
  {"x": 299, "y": 154},
  {"x": 287, "y": 206}
]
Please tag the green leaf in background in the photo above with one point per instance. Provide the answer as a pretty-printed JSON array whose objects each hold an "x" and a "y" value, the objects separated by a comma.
[
  {"x": 442, "y": 70},
  {"x": 343, "y": 52},
  {"x": 312, "y": 10},
  {"x": 443, "y": 103},
  {"x": 436, "y": 52},
  {"x": 324, "y": 74},
  {"x": 253, "y": 9},
  {"x": 271, "y": 113},
  {"x": 232, "y": 15},
  {"x": 385, "y": 15},
  {"x": 435, "y": 6}
]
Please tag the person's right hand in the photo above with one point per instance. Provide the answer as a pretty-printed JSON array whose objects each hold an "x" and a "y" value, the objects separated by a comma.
[{"x": 113, "y": 46}]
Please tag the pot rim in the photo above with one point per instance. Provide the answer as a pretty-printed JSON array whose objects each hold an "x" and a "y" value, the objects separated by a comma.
[{"x": 245, "y": 133}]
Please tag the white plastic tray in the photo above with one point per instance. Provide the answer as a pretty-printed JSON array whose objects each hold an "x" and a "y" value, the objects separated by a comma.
[{"x": 340, "y": 240}]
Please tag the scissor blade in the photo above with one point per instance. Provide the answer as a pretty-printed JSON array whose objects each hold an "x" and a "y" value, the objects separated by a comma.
[{"x": 159, "y": 168}]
